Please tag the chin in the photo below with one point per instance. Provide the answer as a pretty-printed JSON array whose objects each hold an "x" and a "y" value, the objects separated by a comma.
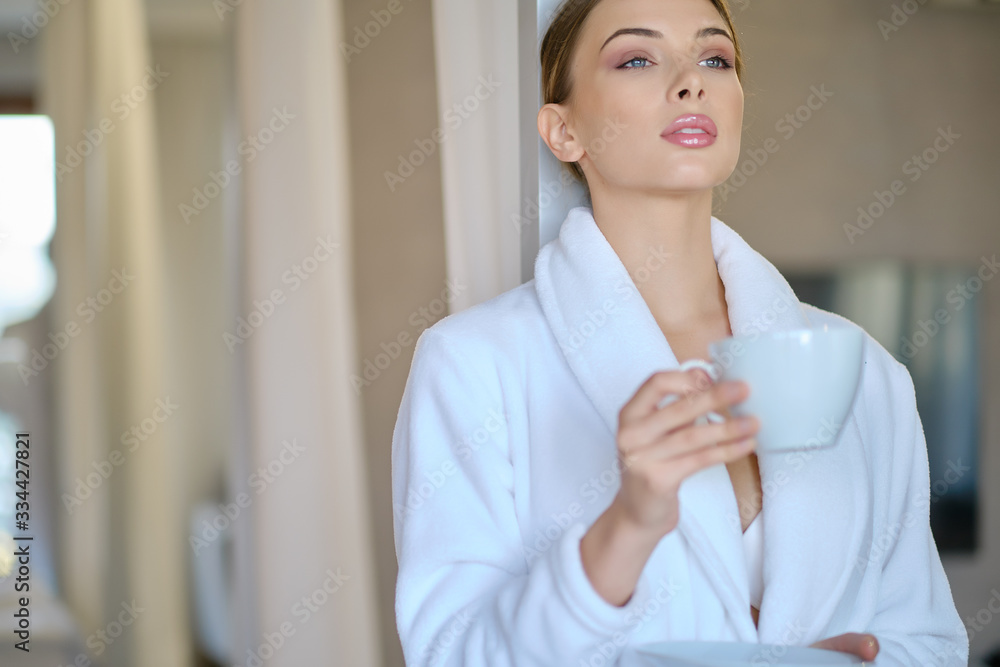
[
  {"x": 689, "y": 175},
  {"x": 692, "y": 179}
]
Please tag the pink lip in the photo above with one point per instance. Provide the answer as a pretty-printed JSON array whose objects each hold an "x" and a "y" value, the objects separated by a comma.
[{"x": 692, "y": 121}]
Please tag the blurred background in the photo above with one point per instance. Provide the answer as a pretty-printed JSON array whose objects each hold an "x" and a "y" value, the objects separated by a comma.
[{"x": 224, "y": 223}]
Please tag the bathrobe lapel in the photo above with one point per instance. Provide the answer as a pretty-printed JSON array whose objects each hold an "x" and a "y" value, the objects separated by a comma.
[{"x": 613, "y": 344}]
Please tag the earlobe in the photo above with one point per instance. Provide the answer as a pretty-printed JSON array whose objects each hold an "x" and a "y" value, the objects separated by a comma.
[{"x": 556, "y": 135}]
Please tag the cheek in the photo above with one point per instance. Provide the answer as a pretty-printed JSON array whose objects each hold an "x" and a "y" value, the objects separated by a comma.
[
  {"x": 610, "y": 134},
  {"x": 734, "y": 107}
]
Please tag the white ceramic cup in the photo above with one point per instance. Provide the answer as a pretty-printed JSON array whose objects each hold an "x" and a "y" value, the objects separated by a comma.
[{"x": 802, "y": 382}]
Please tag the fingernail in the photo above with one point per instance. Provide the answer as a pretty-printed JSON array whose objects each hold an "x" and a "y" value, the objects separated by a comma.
[{"x": 701, "y": 378}]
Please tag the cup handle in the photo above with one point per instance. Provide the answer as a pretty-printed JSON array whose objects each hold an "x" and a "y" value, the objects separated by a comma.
[{"x": 713, "y": 372}]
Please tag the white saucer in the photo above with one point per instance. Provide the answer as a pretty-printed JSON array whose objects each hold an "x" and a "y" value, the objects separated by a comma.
[{"x": 737, "y": 654}]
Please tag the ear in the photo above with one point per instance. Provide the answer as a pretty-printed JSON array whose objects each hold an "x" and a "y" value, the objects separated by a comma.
[{"x": 556, "y": 133}]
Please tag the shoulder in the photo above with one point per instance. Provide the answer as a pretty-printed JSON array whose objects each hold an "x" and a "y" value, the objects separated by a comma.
[
  {"x": 490, "y": 347},
  {"x": 886, "y": 385},
  {"x": 503, "y": 325},
  {"x": 478, "y": 359},
  {"x": 875, "y": 354}
]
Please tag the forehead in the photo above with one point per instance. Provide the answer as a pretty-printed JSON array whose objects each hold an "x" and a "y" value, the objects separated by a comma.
[{"x": 676, "y": 19}]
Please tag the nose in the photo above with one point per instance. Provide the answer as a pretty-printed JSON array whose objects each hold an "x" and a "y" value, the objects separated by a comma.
[{"x": 688, "y": 84}]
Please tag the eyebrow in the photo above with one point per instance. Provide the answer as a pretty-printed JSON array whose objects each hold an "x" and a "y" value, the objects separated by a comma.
[{"x": 656, "y": 34}]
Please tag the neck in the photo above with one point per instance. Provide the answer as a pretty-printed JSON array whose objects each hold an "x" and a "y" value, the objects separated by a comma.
[{"x": 665, "y": 243}]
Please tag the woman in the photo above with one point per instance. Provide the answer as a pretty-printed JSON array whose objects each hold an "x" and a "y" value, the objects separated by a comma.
[{"x": 540, "y": 515}]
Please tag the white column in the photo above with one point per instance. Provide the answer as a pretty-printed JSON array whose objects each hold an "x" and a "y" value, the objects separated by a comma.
[{"x": 478, "y": 81}]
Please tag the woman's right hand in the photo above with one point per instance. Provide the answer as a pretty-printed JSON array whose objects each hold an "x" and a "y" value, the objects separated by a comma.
[{"x": 660, "y": 447}]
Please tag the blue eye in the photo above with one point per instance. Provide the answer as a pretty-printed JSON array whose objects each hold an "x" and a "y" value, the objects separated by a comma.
[
  {"x": 633, "y": 60},
  {"x": 723, "y": 63}
]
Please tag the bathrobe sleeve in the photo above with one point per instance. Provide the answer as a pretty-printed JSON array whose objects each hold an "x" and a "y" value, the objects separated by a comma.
[
  {"x": 916, "y": 622},
  {"x": 465, "y": 594}
]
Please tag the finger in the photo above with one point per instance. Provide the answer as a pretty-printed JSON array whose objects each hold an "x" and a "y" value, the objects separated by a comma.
[
  {"x": 717, "y": 398},
  {"x": 865, "y": 646},
  {"x": 659, "y": 385},
  {"x": 687, "y": 409},
  {"x": 687, "y": 440},
  {"x": 707, "y": 457}
]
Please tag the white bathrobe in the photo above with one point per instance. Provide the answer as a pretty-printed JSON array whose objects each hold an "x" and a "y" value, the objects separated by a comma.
[{"x": 504, "y": 453}]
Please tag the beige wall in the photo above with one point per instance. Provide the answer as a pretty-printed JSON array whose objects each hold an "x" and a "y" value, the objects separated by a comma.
[
  {"x": 890, "y": 97},
  {"x": 398, "y": 239}
]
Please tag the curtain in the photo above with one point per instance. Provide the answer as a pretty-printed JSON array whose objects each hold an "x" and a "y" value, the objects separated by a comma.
[
  {"x": 155, "y": 355},
  {"x": 312, "y": 528},
  {"x": 122, "y": 543}
]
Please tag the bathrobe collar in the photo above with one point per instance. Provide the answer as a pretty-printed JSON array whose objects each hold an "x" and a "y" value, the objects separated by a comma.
[
  {"x": 605, "y": 328},
  {"x": 613, "y": 344}
]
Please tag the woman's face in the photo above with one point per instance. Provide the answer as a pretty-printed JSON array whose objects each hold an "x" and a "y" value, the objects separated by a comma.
[{"x": 639, "y": 67}]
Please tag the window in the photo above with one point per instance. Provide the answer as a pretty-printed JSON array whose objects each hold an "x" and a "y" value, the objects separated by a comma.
[{"x": 27, "y": 281}]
